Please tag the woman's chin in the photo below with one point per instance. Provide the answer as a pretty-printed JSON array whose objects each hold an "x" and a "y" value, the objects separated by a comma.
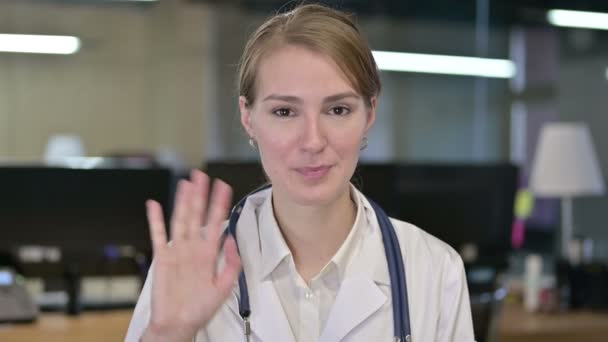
[
  {"x": 317, "y": 194},
  {"x": 311, "y": 190}
]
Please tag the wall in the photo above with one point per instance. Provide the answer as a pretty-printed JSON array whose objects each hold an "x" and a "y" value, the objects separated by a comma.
[{"x": 137, "y": 84}]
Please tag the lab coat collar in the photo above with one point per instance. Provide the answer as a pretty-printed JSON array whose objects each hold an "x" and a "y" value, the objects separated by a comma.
[
  {"x": 274, "y": 248},
  {"x": 272, "y": 244},
  {"x": 368, "y": 261},
  {"x": 360, "y": 294}
]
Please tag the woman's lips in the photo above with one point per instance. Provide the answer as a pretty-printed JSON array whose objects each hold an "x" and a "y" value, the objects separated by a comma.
[{"x": 315, "y": 172}]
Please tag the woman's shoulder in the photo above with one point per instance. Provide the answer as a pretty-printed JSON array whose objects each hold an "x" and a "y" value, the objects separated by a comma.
[{"x": 415, "y": 240}]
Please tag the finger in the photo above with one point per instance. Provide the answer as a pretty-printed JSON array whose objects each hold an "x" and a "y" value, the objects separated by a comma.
[
  {"x": 199, "y": 202},
  {"x": 156, "y": 223},
  {"x": 220, "y": 202},
  {"x": 227, "y": 277},
  {"x": 180, "y": 211}
]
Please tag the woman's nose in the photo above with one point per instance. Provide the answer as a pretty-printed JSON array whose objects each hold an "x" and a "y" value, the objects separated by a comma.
[{"x": 313, "y": 136}]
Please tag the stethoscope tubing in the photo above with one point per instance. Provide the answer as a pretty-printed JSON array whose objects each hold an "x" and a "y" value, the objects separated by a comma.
[
  {"x": 396, "y": 270},
  {"x": 394, "y": 258}
]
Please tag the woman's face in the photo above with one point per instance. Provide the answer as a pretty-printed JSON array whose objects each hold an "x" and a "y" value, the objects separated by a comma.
[{"x": 308, "y": 122}]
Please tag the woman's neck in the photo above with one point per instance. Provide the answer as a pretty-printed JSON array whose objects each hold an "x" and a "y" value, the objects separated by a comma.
[{"x": 314, "y": 233}]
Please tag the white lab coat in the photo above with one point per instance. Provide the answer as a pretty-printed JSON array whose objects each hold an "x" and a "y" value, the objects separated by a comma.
[{"x": 437, "y": 292}]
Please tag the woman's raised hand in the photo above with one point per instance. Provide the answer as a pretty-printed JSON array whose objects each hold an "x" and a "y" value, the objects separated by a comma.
[{"x": 187, "y": 290}]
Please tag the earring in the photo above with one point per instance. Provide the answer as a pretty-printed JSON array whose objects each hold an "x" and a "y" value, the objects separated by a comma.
[
  {"x": 363, "y": 143},
  {"x": 253, "y": 144}
]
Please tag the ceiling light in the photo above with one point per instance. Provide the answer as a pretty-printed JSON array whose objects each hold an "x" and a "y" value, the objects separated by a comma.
[
  {"x": 28, "y": 43},
  {"x": 578, "y": 19},
  {"x": 443, "y": 64}
]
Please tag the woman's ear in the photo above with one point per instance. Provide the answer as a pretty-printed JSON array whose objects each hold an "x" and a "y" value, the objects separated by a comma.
[
  {"x": 371, "y": 115},
  {"x": 246, "y": 116}
]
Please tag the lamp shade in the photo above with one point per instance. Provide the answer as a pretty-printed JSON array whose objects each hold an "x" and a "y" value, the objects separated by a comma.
[{"x": 565, "y": 163}]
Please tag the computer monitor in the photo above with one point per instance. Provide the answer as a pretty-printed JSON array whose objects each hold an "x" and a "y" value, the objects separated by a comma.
[
  {"x": 462, "y": 204},
  {"x": 81, "y": 211},
  {"x": 242, "y": 176}
]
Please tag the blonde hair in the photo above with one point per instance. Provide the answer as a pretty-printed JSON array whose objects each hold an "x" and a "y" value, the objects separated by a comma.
[{"x": 324, "y": 30}]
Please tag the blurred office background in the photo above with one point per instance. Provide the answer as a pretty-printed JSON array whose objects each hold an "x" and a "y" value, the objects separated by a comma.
[{"x": 147, "y": 90}]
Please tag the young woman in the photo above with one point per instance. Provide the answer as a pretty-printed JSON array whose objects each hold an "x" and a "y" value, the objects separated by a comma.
[{"x": 311, "y": 247}]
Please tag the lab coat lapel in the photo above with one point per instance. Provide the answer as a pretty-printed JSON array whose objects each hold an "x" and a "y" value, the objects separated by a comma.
[
  {"x": 358, "y": 298},
  {"x": 268, "y": 320},
  {"x": 360, "y": 294},
  {"x": 270, "y": 324}
]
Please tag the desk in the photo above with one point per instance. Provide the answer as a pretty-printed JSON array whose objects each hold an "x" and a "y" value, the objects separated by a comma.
[
  {"x": 57, "y": 327},
  {"x": 515, "y": 326}
]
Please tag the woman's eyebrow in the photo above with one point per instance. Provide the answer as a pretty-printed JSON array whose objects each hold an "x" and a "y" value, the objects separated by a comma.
[
  {"x": 340, "y": 96},
  {"x": 286, "y": 98},
  {"x": 295, "y": 99}
]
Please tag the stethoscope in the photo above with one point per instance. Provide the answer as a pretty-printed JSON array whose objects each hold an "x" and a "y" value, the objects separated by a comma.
[{"x": 394, "y": 259}]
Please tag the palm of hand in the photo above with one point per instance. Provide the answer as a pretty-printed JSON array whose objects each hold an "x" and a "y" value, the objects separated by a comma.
[{"x": 187, "y": 290}]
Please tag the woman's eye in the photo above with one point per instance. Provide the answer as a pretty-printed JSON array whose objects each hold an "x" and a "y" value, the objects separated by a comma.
[
  {"x": 339, "y": 110},
  {"x": 283, "y": 112}
]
